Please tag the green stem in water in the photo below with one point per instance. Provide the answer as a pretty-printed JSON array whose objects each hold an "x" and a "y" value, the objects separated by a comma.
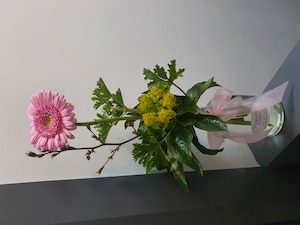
[
  {"x": 114, "y": 119},
  {"x": 241, "y": 121}
]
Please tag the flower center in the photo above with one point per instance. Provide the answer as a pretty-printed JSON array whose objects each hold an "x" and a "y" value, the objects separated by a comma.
[{"x": 48, "y": 121}]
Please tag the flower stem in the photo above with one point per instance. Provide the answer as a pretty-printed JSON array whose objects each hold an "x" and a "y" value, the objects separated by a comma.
[
  {"x": 113, "y": 119},
  {"x": 116, "y": 109},
  {"x": 239, "y": 121},
  {"x": 179, "y": 88}
]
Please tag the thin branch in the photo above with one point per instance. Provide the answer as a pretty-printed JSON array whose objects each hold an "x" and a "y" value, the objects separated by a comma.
[
  {"x": 179, "y": 89},
  {"x": 70, "y": 148},
  {"x": 113, "y": 152}
]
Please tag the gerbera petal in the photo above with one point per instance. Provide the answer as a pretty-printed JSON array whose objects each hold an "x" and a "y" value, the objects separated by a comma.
[
  {"x": 69, "y": 106},
  {"x": 51, "y": 145},
  {"x": 68, "y": 118},
  {"x": 57, "y": 141},
  {"x": 39, "y": 144},
  {"x": 35, "y": 101},
  {"x": 63, "y": 138},
  {"x": 41, "y": 98},
  {"x": 68, "y": 134},
  {"x": 48, "y": 98},
  {"x": 64, "y": 112},
  {"x": 68, "y": 123},
  {"x": 31, "y": 111},
  {"x": 60, "y": 102},
  {"x": 42, "y": 142},
  {"x": 34, "y": 138}
]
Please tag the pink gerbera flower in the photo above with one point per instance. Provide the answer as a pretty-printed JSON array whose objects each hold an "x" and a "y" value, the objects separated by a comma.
[{"x": 52, "y": 119}]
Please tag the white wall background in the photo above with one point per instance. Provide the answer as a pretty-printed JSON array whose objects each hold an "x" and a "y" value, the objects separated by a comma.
[{"x": 65, "y": 46}]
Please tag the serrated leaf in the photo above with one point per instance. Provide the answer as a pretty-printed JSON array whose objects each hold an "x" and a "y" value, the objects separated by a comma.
[
  {"x": 118, "y": 99},
  {"x": 155, "y": 80},
  {"x": 180, "y": 141},
  {"x": 160, "y": 72},
  {"x": 103, "y": 129},
  {"x": 158, "y": 76},
  {"x": 149, "y": 75},
  {"x": 203, "y": 122},
  {"x": 150, "y": 155},
  {"x": 101, "y": 94},
  {"x": 174, "y": 74},
  {"x": 108, "y": 102},
  {"x": 147, "y": 134},
  {"x": 148, "y": 169},
  {"x": 198, "y": 89}
]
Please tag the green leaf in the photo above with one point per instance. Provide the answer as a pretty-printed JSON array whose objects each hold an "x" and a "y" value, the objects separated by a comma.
[
  {"x": 103, "y": 128},
  {"x": 180, "y": 141},
  {"x": 150, "y": 155},
  {"x": 158, "y": 76},
  {"x": 198, "y": 89},
  {"x": 174, "y": 74},
  {"x": 103, "y": 131},
  {"x": 200, "y": 147},
  {"x": 118, "y": 99},
  {"x": 101, "y": 94},
  {"x": 177, "y": 169},
  {"x": 103, "y": 97},
  {"x": 160, "y": 72},
  {"x": 203, "y": 122},
  {"x": 149, "y": 75},
  {"x": 184, "y": 105},
  {"x": 151, "y": 135},
  {"x": 108, "y": 102}
]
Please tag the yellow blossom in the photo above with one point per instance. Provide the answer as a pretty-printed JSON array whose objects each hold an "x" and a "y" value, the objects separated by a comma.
[
  {"x": 164, "y": 115},
  {"x": 145, "y": 103},
  {"x": 150, "y": 118},
  {"x": 156, "y": 106},
  {"x": 168, "y": 101},
  {"x": 155, "y": 93},
  {"x": 142, "y": 98}
]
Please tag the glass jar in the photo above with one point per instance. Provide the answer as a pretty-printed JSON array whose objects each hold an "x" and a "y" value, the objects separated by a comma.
[{"x": 270, "y": 118}]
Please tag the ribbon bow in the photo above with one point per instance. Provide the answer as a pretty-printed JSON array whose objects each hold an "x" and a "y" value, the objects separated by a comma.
[{"x": 226, "y": 107}]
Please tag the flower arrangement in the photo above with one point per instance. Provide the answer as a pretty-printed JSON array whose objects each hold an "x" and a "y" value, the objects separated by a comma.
[{"x": 163, "y": 123}]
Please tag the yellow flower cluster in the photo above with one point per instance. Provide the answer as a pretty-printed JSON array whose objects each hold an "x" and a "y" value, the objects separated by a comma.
[{"x": 156, "y": 106}]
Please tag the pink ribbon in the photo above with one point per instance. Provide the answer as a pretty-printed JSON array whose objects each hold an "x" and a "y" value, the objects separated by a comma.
[{"x": 226, "y": 107}]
